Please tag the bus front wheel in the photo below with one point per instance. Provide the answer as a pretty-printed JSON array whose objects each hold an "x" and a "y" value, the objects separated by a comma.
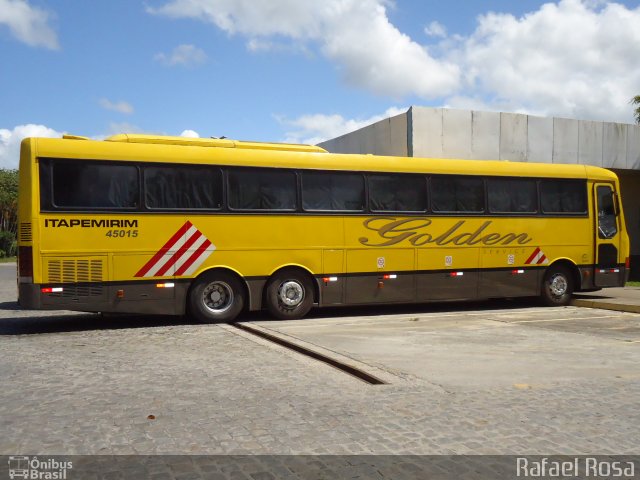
[
  {"x": 557, "y": 286},
  {"x": 216, "y": 297},
  {"x": 289, "y": 295}
]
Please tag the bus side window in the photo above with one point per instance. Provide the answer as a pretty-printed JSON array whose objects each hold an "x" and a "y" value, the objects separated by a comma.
[
  {"x": 332, "y": 191},
  {"x": 397, "y": 193},
  {"x": 512, "y": 195},
  {"x": 183, "y": 186},
  {"x": 79, "y": 184},
  {"x": 563, "y": 196},
  {"x": 457, "y": 194},
  {"x": 262, "y": 189}
]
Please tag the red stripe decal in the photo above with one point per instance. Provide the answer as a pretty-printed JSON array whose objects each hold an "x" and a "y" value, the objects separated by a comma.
[
  {"x": 533, "y": 255},
  {"x": 167, "y": 246},
  {"x": 174, "y": 258},
  {"x": 542, "y": 260},
  {"x": 194, "y": 256}
]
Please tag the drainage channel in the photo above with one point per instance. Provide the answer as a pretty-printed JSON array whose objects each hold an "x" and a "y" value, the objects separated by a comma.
[{"x": 343, "y": 367}]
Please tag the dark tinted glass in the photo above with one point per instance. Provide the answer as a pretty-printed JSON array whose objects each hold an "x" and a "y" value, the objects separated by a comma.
[
  {"x": 332, "y": 191},
  {"x": 183, "y": 187},
  {"x": 563, "y": 196},
  {"x": 85, "y": 184},
  {"x": 262, "y": 189},
  {"x": 398, "y": 193},
  {"x": 457, "y": 194},
  {"x": 607, "y": 225},
  {"x": 512, "y": 195}
]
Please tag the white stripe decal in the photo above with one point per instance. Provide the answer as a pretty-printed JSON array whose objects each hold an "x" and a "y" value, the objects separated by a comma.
[
  {"x": 170, "y": 253},
  {"x": 177, "y": 259},
  {"x": 185, "y": 256},
  {"x": 203, "y": 256}
]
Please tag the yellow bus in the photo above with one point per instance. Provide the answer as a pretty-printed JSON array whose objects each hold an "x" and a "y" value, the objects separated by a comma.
[{"x": 213, "y": 227}]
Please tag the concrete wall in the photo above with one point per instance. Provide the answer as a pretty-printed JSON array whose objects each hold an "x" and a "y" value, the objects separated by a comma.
[
  {"x": 449, "y": 133},
  {"x": 446, "y": 133},
  {"x": 386, "y": 137}
]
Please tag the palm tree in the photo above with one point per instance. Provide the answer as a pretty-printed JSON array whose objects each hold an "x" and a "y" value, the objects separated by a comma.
[{"x": 636, "y": 101}]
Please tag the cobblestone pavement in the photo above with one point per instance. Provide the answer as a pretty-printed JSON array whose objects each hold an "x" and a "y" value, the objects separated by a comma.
[{"x": 85, "y": 384}]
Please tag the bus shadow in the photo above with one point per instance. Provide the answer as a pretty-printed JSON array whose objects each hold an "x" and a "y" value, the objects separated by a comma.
[
  {"x": 29, "y": 322},
  {"x": 26, "y": 324},
  {"x": 9, "y": 306}
]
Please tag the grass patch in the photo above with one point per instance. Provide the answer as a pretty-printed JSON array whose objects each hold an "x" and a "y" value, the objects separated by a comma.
[
  {"x": 7, "y": 260},
  {"x": 632, "y": 284}
]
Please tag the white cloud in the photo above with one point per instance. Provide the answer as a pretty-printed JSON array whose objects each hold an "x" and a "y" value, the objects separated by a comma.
[
  {"x": 10, "y": 141},
  {"x": 315, "y": 128},
  {"x": 574, "y": 58},
  {"x": 357, "y": 35},
  {"x": 435, "y": 29},
  {"x": 190, "y": 134},
  {"x": 120, "y": 106},
  {"x": 28, "y": 24},
  {"x": 182, "y": 55}
]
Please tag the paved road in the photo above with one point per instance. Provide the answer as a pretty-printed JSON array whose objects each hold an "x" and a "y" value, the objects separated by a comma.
[{"x": 492, "y": 378}]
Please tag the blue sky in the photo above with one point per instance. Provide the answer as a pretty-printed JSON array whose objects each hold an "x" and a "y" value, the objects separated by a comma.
[{"x": 303, "y": 70}]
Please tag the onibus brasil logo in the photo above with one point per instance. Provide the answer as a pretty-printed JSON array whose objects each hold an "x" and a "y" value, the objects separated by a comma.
[{"x": 21, "y": 466}]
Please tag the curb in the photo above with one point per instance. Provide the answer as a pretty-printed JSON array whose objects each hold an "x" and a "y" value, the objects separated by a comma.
[
  {"x": 618, "y": 307},
  {"x": 385, "y": 377}
]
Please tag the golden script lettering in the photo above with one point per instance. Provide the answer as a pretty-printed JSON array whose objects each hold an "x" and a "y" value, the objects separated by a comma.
[{"x": 392, "y": 231}]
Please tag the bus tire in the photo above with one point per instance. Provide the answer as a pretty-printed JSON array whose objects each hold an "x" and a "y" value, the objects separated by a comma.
[
  {"x": 289, "y": 295},
  {"x": 216, "y": 297},
  {"x": 557, "y": 286}
]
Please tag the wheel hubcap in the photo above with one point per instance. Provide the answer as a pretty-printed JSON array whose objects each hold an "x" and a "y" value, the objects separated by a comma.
[
  {"x": 558, "y": 285},
  {"x": 291, "y": 293},
  {"x": 217, "y": 297}
]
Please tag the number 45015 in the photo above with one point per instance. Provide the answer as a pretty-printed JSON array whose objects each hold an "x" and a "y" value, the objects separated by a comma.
[{"x": 121, "y": 233}]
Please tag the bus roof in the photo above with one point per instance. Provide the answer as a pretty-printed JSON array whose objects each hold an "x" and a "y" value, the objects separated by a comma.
[
  {"x": 212, "y": 142},
  {"x": 165, "y": 149}
]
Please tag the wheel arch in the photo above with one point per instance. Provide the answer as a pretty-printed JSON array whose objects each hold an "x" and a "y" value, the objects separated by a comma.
[{"x": 569, "y": 265}]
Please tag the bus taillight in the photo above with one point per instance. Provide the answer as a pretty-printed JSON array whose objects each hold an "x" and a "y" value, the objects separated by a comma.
[
  {"x": 51, "y": 290},
  {"x": 627, "y": 262}
]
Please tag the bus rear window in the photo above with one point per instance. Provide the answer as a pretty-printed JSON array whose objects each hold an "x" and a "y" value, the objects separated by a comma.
[
  {"x": 563, "y": 196},
  {"x": 91, "y": 185},
  {"x": 183, "y": 187}
]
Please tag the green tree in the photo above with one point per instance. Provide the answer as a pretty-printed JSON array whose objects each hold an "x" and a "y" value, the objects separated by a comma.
[
  {"x": 636, "y": 101},
  {"x": 8, "y": 210}
]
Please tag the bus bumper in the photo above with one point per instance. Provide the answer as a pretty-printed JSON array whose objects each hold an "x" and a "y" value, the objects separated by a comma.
[
  {"x": 595, "y": 278},
  {"x": 138, "y": 298}
]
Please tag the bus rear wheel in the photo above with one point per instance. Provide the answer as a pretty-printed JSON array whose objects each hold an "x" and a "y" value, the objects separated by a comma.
[
  {"x": 216, "y": 297},
  {"x": 289, "y": 295},
  {"x": 557, "y": 286}
]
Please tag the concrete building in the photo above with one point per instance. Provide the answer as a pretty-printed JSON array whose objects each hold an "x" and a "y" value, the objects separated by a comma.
[{"x": 447, "y": 133}]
